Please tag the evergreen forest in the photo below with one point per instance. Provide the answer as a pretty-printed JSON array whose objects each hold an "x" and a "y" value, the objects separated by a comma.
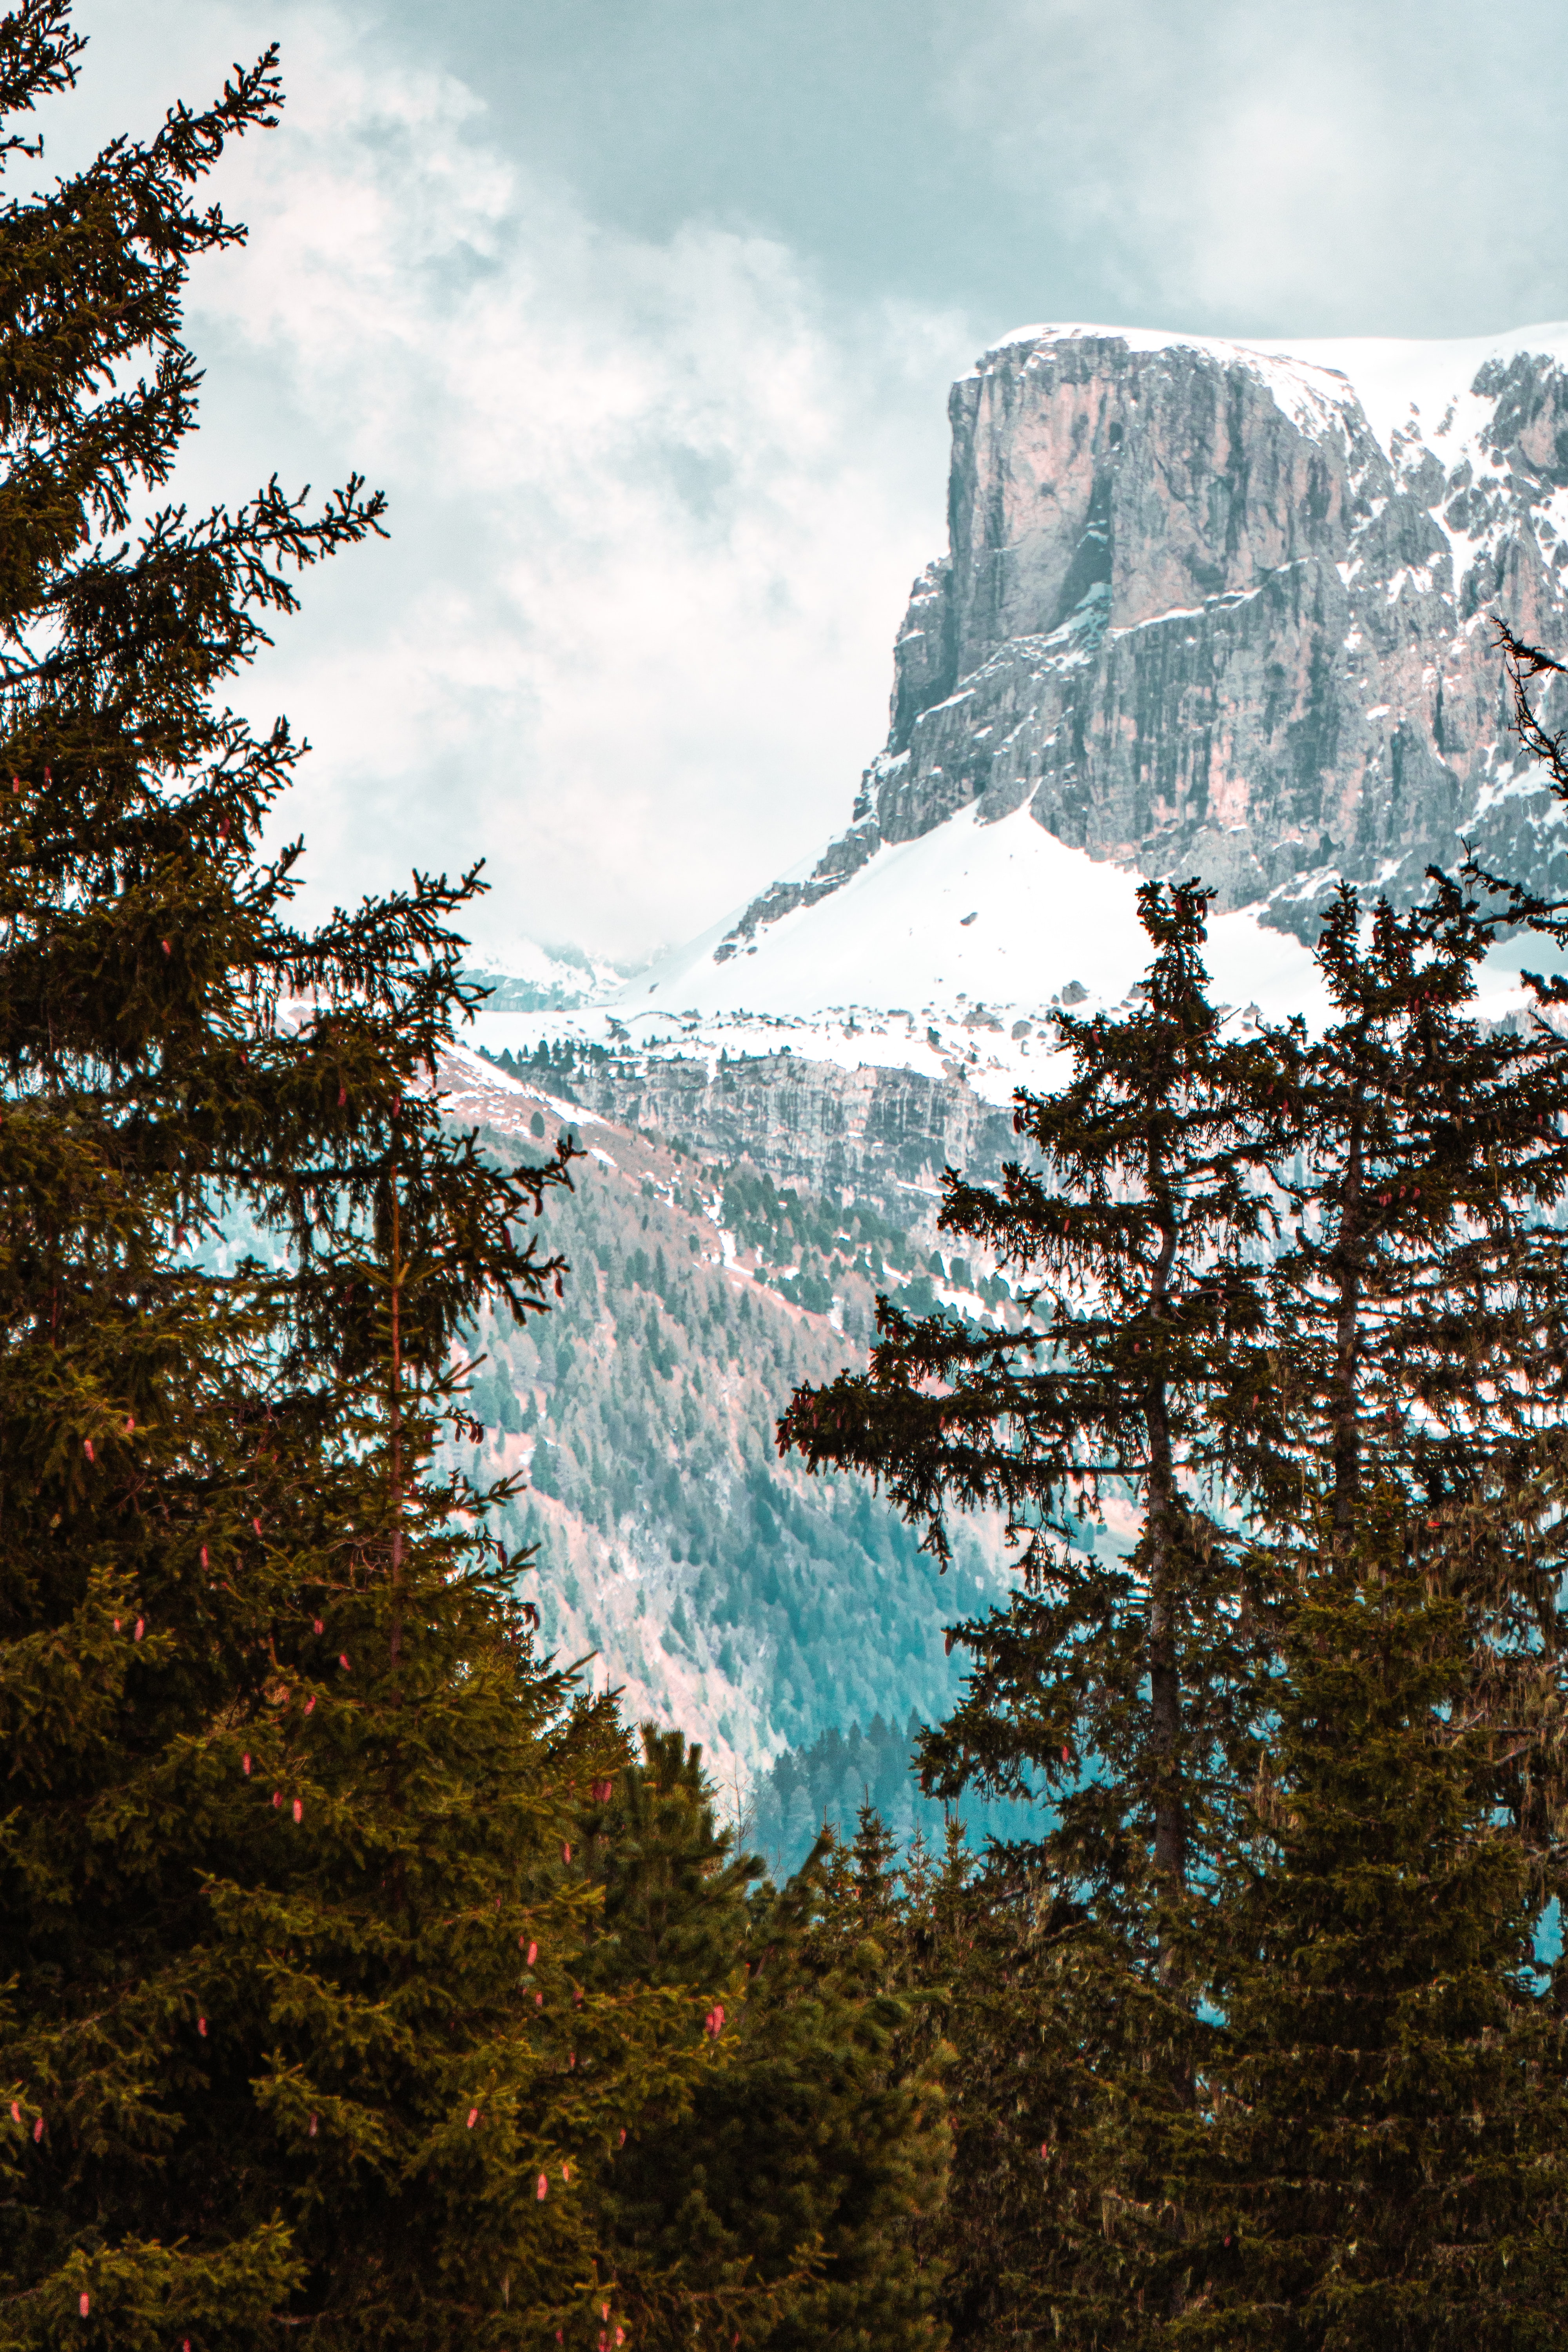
[{"x": 371, "y": 1975}]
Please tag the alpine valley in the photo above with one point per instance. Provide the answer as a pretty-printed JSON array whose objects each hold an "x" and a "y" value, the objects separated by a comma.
[{"x": 1205, "y": 609}]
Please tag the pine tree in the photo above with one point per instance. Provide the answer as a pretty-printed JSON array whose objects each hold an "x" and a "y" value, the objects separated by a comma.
[
  {"x": 1114, "y": 1688},
  {"x": 775, "y": 2202},
  {"x": 291, "y": 1896},
  {"x": 1376, "y": 2154}
]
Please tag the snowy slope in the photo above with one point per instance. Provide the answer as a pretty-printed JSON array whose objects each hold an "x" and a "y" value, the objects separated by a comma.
[
  {"x": 1003, "y": 915},
  {"x": 891, "y": 971},
  {"x": 934, "y": 950},
  {"x": 1391, "y": 375}
]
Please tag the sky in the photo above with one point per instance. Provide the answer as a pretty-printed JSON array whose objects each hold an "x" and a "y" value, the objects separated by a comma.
[{"x": 644, "y": 313}]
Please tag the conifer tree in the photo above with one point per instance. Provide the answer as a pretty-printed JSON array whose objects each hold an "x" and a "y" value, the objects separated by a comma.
[
  {"x": 1416, "y": 1302},
  {"x": 1376, "y": 2153},
  {"x": 1019, "y": 1990},
  {"x": 1115, "y": 1688},
  {"x": 289, "y": 1890},
  {"x": 777, "y": 2202},
  {"x": 1383, "y": 1318},
  {"x": 1417, "y": 1307}
]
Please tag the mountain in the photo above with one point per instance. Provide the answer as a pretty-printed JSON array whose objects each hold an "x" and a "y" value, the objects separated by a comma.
[
  {"x": 1205, "y": 609},
  {"x": 714, "y": 1585},
  {"x": 527, "y": 978}
]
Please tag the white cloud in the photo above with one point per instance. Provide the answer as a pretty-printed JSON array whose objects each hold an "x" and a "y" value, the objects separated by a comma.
[
  {"x": 1322, "y": 168},
  {"x": 654, "y": 510}
]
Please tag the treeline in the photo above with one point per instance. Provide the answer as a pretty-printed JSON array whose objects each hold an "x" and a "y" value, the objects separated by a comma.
[{"x": 363, "y": 1976}]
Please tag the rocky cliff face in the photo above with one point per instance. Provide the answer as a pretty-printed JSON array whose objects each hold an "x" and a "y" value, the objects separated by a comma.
[
  {"x": 868, "y": 1131},
  {"x": 1204, "y": 617}
]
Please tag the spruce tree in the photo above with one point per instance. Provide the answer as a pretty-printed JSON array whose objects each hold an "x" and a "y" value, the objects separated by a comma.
[
  {"x": 290, "y": 1886},
  {"x": 1113, "y": 1687},
  {"x": 1417, "y": 1300},
  {"x": 1376, "y": 2153},
  {"x": 777, "y": 2202},
  {"x": 1376, "y": 1311},
  {"x": 1416, "y": 1317}
]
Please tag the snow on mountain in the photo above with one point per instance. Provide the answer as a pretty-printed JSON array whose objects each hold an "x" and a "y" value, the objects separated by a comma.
[
  {"x": 942, "y": 953},
  {"x": 1389, "y": 376},
  {"x": 1398, "y": 377},
  {"x": 1004, "y": 915},
  {"x": 1207, "y": 608},
  {"x": 1211, "y": 608},
  {"x": 527, "y": 977}
]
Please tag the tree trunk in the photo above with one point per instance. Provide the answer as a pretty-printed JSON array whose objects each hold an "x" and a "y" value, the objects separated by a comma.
[
  {"x": 1346, "y": 1455},
  {"x": 1164, "y": 1574}
]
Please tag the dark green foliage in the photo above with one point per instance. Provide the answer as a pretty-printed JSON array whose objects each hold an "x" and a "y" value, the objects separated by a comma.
[
  {"x": 1416, "y": 1317},
  {"x": 1116, "y": 1689},
  {"x": 287, "y": 1797},
  {"x": 1301, "y": 1305},
  {"x": 1036, "y": 2006},
  {"x": 1375, "y": 2151},
  {"x": 785, "y": 1225},
  {"x": 1418, "y": 1299},
  {"x": 777, "y": 2202}
]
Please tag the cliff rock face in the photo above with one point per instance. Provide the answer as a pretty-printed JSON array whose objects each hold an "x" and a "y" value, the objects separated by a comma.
[
  {"x": 1203, "y": 617},
  {"x": 867, "y": 1130}
]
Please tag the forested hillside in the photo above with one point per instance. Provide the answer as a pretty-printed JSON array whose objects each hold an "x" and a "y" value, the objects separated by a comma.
[{"x": 719, "y": 1586}]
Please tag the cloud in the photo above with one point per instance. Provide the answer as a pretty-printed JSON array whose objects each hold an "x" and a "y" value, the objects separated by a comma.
[
  {"x": 1325, "y": 167},
  {"x": 655, "y": 508}
]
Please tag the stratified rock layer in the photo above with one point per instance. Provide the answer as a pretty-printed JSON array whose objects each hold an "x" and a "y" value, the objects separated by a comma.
[
  {"x": 868, "y": 1130},
  {"x": 1203, "y": 620}
]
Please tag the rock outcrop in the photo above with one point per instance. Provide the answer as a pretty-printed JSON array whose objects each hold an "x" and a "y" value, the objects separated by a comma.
[
  {"x": 868, "y": 1130},
  {"x": 1202, "y": 619}
]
